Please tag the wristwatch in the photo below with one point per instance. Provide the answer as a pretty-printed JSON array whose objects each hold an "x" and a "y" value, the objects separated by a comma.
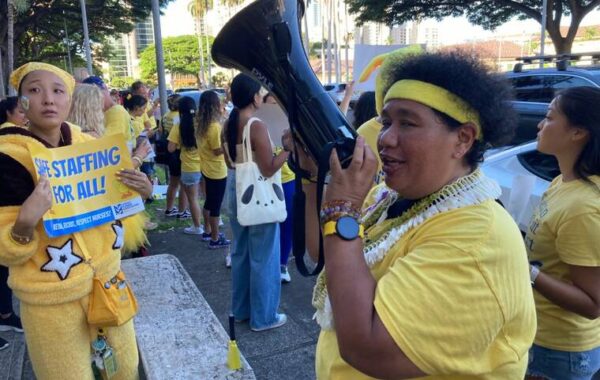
[{"x": 345, "y": 227}]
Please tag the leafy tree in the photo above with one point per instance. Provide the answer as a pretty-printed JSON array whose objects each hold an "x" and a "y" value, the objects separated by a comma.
[
  {"x": 121, "y": 82},
  {"x": 220, "y": 79},
  {"x": 180, "y": 54},
  {"x": 39, "y": 28},
  {"x": 487, "y": 13}
]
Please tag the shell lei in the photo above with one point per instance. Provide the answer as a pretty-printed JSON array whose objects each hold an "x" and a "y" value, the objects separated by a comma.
[{"x": 469, "y": 190}]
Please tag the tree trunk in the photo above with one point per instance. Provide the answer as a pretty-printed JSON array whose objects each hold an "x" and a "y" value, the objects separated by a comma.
[
  {"x": 208, "y": 63},
  {"x": 11, "y": 42},
  {"x": 2, "y": 88},
  {"x": 201, "y": 51}
]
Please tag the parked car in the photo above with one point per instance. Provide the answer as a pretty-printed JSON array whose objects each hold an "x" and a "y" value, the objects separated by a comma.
[
  {"x": 524, "y": 174},
  {"x": 535, "y": 89},
  {"x": 194, "y": 94},
  {"x": 186, "y": 89}
]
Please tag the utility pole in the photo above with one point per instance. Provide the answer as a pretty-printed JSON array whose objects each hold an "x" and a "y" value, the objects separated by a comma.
[
  {"x": 86, "y": 38},
  {"x": 543, "y": 39},
  {"x": 67, "y": 43},
  {"x": 160, "y": 62}
]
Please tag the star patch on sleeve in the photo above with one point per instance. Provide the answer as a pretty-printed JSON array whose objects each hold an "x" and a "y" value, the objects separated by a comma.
[
  {"x": 62, "y": 259},
  {"x": 118, "y": 228}
]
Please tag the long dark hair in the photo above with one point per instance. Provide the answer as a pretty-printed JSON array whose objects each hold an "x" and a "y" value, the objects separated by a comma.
[
  {"x": 581, "y": 107},
  {"x": 209, "y": 111},
  {"x": 7, "y": 105},
  {"x": 130, "y": 101},
  {"x": 243, "y": 89},
  {"x": 364, "y": 109},
  {"x": 187, "y": 110}
]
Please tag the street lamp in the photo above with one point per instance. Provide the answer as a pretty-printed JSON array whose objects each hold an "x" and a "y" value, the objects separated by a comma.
[
  {"x": 86, "y": 38},
  {"x": 543, "y": 39}
]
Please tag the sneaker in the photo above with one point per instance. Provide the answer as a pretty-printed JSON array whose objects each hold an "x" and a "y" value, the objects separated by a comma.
[
  {"x": 221, "y": 243},
  {"x": 184, "y": 214},
  {"x": 12, "y": 323},
  {"x": 206, "y": 236},
  {"x": 281, "y": 319},
  {"x": 228, "y": 260},
  {"x": 285, "y": 275},
  {"x": 3, "y": 344},
  {"x": 172, "y": 212},
  {"x": 193, "y": 230},
  {"x": 221, "y": 222}
]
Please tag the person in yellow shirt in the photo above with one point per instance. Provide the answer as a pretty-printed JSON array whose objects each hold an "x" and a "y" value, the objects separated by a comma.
[
  {"x": 183, "y": 137},
  {"x": 116, "y": 118},
  {"x": 563, "y": 242},
  {"x": 366, "y": 122},
  {"x": 11, "y": 115},
  {"x": 145, "y": 123},
  {"x": 426, "y": 276},
  {"x": 48, "y": 274},
  {"x": 214, "y": 169},
  {"x": 170, "y": 120}
]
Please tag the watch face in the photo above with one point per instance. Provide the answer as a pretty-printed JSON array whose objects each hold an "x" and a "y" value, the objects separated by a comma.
[{"x": 347, "y": 228}]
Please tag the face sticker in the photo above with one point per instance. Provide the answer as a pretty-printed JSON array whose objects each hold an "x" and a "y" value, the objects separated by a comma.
[{"x": 25, "y": 103}]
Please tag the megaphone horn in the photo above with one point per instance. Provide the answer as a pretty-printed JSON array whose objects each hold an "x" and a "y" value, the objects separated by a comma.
[{"x": 264, "y": 41}]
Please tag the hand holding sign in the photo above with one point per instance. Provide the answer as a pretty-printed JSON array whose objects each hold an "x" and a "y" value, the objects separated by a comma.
[{"x": 34, "y": 207}]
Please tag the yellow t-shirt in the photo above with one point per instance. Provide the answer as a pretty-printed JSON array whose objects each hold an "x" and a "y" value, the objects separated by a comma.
[
  {"x": 190, "y": 157},
  {"x": 565, "y": 230},
  {"x": 455, "y": 296},
  {"x": 287, "y": 174},
  {"x": 370, "y": 131},
  {"x": 170, "y": 119},
  {"x": 137, "y": 125},
  {"x": 117, "y": 120},
  {"x": 213, "y": 166},
  {"x": 150, "y": 118}
]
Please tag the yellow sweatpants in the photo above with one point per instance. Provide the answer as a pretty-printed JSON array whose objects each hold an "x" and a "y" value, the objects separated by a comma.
[{"x": 59, "y": 342}]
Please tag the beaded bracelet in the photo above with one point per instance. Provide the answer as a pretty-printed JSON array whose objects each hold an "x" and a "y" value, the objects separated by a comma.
[
  {"x": 333, "y": 210},
  {"x": 136, "y": 158}
]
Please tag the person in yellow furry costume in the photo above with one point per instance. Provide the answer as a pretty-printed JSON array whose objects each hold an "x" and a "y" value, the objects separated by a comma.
[{"x": 50, "y": 275}]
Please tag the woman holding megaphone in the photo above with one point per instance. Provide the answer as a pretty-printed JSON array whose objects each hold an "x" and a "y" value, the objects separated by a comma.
[{"x": 425, "y": 275}]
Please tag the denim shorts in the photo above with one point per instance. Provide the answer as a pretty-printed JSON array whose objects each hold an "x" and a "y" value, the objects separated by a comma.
[
  {"x": 191, "y": 178},
  {"x": 564, "y": 365}
]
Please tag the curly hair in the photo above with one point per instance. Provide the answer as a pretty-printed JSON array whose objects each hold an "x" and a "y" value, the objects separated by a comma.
[
  {"x": 86, "y": 109},
  {"x": 209, "y": 111},
  {"x": 468, "y": 78}
]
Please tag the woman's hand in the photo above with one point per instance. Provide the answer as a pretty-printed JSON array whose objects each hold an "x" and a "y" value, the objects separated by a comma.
[
  {"x": 353, "y": 183},
  {"x": 143, "y": 149},
  {"x": 305, "y": 161},
  {"x": 34, "y": 207},
  {"x": 137, "y": 181}
]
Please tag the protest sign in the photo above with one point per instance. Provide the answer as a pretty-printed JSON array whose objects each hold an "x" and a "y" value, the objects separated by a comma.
[{"x": 85, "y": 189}]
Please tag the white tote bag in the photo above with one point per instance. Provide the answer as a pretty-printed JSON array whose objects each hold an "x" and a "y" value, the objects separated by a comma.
[{"x": 259, "y": 199}]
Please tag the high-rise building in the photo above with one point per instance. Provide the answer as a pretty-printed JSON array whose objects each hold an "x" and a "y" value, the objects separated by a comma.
[{"x": 128, "y": 47}]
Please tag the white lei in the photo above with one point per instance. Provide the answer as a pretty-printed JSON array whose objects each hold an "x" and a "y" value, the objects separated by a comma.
[{"x": 469, "y": 190}]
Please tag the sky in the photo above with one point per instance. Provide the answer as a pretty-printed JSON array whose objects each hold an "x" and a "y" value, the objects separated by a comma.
[{"x": 177, "y": 21}]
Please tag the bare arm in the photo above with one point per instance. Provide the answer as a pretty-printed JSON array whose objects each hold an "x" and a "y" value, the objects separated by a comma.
[
  {"x": 347, "y": 97},
  {"x": 582, "y": 297},
  {"x": 268, "y": 164},
  {"x": 363, "y": 340},
  {"x": 171, "y": 147}
]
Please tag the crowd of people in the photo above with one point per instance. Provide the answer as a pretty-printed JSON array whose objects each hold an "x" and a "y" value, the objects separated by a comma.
[{"x": 426, "y": 275}]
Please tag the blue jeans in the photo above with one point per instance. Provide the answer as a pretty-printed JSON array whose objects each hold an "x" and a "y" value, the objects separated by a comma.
[
  {"x": 285, "y": 227},
  {"x": 563, "y": 365},
  {"x": 256, "y": 283}
]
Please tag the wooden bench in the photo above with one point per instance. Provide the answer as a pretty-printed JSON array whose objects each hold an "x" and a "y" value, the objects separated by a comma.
[{"x": 178, "y": 335}]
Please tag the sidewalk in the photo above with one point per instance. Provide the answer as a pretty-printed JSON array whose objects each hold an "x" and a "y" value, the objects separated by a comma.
[{"x": 284, "y": 353}]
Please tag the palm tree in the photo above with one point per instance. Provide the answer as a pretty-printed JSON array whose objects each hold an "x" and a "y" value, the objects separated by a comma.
[
  {"x": 13, "y": 7},
  {"x": 196, "y": 9}
]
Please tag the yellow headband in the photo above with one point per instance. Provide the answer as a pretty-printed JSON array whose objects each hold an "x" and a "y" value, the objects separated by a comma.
[
  {"x": 17, "y": 76},
  {"x": 437, "y": 98}
]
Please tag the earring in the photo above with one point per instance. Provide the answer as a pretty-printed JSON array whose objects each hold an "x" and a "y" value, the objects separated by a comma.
[{"x": 24, "y": 103}]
